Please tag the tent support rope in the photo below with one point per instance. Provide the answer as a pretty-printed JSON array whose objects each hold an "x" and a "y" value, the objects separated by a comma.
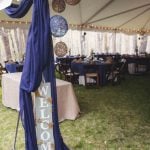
[
  {"x": 141, "y": 13},
  {"x": 146, "y": 23},
  {"x": 120, "y": 13},
  {"x": 97, "y": 12}
]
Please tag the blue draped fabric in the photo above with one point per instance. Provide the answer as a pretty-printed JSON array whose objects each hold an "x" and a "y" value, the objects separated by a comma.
[{"x": 39, "y": 58}]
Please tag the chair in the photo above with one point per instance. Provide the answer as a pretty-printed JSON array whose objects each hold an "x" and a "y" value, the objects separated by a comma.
[
  {"x": 67, "y": 73},
  {"x": 62, "y": 69},
  {"x": 19, "y": 68},
  {"x": 116, "y": 72},
  {"x": 72, "y": 77},
  {"x": 2, "y": 70},
  {"x": 91, "y": 72}
]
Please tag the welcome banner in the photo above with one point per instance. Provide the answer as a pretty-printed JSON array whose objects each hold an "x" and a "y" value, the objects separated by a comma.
[{"x": 43, "y": 117}]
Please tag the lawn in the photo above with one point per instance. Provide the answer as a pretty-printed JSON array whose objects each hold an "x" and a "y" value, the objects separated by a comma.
[{"x": 112, "y": 118}]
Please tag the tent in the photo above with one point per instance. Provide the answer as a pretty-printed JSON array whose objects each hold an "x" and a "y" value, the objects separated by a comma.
[
  {"x": 126, "y": 16},
  {"x": 106, "y": 17}
]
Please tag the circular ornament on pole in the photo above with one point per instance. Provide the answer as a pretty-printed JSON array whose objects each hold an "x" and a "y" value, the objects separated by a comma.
[
  {"x": 58, "y": 5},
  {"x": 72, "y": 2},
  {"x": 59, "y": 26},
  {"x": 60, "y": 49}
]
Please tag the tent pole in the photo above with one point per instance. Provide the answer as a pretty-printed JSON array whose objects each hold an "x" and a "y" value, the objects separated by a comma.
[{"x": 82, "y": 37}]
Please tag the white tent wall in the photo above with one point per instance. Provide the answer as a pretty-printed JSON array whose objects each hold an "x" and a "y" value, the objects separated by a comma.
[
  {"x": 101, "y": 42},
  {"x": 13, "y": 40},
  {"x": 148, "y": 44},
  {"x": 12, "y": 43},
  {"x": 100, "y": 18}
]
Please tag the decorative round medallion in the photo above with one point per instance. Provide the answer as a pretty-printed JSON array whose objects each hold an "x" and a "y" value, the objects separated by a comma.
[
  {"x": 59, "y": 26},
  {"x": 60, "y": 49},
  {"x": 58, "y": 5},
  {"x": 72, "y": 2}
]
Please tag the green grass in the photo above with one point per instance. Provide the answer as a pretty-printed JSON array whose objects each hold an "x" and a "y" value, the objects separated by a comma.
[
  {"x": 8, "y": 120},
  {"x": 112, "y": 118}
]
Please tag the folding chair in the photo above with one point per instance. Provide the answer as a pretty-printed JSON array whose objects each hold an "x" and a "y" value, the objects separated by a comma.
[{"x": 91, "y": 72}]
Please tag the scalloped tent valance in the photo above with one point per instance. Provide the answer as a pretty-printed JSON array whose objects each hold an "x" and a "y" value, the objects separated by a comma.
[{"x": 125, "y": 16}]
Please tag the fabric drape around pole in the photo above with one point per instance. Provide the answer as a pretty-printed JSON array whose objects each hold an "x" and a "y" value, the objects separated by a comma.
[{"x": 39, "y": 58}]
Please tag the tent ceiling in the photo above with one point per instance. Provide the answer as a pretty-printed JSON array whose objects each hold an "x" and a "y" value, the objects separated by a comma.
[{"x": 82, "y": 13}]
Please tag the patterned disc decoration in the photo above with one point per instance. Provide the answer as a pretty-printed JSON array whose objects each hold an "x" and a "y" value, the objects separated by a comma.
[
  {"x": 72, "y": 2},
  {"x": 58, "y": 5},
  {"x": 60, "y": 49},
  {"x": 59, "y": 26}
]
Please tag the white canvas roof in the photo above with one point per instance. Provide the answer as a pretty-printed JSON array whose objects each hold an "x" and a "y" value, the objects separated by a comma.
[{"x": 129, "y": 15}]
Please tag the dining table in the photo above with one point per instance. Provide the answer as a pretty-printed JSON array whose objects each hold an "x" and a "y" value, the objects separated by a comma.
[
  {"x": 13, "y": 67},
  {"x": 68, "y": 107},
  {"x": 102, "y": 70},
  {"x": 137, "y": 64}
]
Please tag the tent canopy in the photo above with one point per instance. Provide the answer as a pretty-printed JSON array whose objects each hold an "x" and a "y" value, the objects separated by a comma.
[{"x": 123, "y": 15}]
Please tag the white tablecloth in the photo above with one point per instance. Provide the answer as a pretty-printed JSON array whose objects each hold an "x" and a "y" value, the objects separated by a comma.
[{"x": 68, "y": 107}]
